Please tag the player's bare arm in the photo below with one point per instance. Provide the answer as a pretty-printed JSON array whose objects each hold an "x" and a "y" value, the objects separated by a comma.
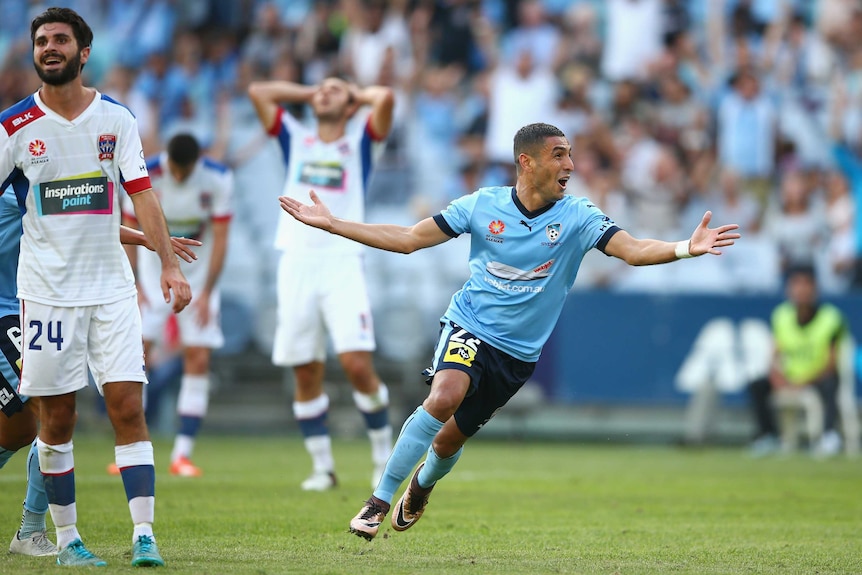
[
  {"x": 382, "y": 102},
  {"x": 219, "y": 251},
  {"x": 266, "y": 96},
  {"x": 644, "y": 252},
  {"x": 182, "y": 246},
  {"x": 149, "y": 214},
  {"x": 389, "y": 237}
]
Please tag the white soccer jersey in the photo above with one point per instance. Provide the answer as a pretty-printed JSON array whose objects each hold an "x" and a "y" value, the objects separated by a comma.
[
  {"x": 189, "y": 207},
  {"x": 338, "y": 171},
  {"x": 67, "y": 175}
]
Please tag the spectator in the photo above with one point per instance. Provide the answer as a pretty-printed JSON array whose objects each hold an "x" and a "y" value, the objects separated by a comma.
[
  {"x": 807, "y": 333},
  {"x": 747, "y": 135},
  {"x": 796, "y": 225}
]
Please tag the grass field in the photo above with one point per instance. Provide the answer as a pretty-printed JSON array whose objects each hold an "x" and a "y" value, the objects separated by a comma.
[{"x": 519, "y": 508}]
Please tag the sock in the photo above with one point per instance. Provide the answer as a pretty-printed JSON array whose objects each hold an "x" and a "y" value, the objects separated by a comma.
[
  {"x": 36, "y": 501},
  {"x": 413, "y": 441},
  {"x": 436, "y": 467},
  {"x": 5, "y": 455},
  {"x": 311, "y": 416},
  {"x": 57, "y": 464},
  {"x": 192, "y": 405},
  {"x": 137, "y": 468},
  {"x": 375, "y": 409}
]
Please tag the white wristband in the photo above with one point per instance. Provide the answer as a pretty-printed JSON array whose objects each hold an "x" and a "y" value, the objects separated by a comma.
[{"x": 681, "y": 250}]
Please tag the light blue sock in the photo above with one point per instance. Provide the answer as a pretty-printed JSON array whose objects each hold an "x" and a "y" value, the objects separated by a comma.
[
  {"x": 413, "y": 441},
  {"x": 36, "y": 501},
  {"x": 436, "y": 467}
]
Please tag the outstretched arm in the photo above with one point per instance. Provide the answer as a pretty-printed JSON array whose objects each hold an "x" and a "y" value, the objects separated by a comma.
[
  {"x": 182, "y": 246},
  {"x": 389, "y": 237},
  {"x": 646, "y": 252}
]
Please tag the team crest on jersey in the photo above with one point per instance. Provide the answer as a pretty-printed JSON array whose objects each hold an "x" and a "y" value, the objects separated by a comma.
[
  {"x": 206, "y": 200},
  {"x": 344, "y": 148},
  {"x": 107, "y": 143},
  {"x": 553, "y": 231},
  {"x": 497, "y": 227}
]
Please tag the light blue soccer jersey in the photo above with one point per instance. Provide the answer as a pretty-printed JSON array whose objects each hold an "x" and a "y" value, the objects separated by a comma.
[
  {"x": 522, "y": 264},
  {"x": 10, "y": 240}
]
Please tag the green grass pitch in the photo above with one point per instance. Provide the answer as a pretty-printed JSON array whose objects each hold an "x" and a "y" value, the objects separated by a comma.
[{"x": 508, "y": 507}]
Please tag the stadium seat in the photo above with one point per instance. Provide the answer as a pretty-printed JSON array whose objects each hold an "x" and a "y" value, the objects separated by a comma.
[{"x": 790, "y": 402}]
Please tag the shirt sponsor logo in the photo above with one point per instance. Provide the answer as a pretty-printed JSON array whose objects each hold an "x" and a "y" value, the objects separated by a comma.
[
  {"x": 507, "y": 272},
  {"x": 107, "y": 144},
  {"x": 514, "y": 288},
  {"x": 322, "y": 175},
  {"x": 77, "y": 196}
]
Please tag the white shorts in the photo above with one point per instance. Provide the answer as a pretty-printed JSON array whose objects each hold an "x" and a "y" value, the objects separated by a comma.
[
  {"x": 61, "y": 342},
  {"x": 155, "y": 314},
  {"x": 316, "y": 297}
]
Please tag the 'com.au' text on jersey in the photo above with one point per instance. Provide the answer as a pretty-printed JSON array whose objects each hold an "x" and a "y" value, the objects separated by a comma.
[
  {"x": 337, "y": 171},
  {"x": 522, "y": 264},
  {"x": 67, "y": 175}
]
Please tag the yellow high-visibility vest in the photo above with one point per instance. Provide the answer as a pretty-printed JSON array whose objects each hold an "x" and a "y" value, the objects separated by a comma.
[{"x": 804, "y": 349}]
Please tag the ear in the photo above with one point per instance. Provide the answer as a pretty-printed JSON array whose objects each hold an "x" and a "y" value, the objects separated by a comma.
[
  {"x": 525, "y": 161},
  {"x": 85, "y": 55}
]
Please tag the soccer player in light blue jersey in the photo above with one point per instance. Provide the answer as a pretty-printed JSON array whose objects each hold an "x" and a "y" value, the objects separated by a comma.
[{"x": 527, "y": 244}]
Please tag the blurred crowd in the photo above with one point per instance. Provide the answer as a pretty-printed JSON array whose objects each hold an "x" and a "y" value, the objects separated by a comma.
[{"x": 749, "y": 108}]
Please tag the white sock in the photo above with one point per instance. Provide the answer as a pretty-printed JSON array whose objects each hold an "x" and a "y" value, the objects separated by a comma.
[
  {"x": 381, "y": 444},
  {"x": 320, "y": 449}
]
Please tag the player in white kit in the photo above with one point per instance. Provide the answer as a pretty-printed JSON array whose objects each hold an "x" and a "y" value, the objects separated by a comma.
[
  {"x": 321, "y": 285},
  {"x": 67, "y": 151},
  {"x": 195, "y": 194}
]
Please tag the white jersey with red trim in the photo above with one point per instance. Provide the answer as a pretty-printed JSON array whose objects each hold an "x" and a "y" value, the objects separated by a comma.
[
  {"x": 67, "y": 176},
  {"x": 337, "y": 171},
  {"x": 190, "y": 207}
]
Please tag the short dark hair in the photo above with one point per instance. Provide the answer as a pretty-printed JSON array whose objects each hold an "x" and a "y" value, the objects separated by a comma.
[
  {"x": 184, "y": 150},
  {"x": 801, "y": 269},
  {"x": 533, "y": 136},
  {"x": 82, "y": 31}
]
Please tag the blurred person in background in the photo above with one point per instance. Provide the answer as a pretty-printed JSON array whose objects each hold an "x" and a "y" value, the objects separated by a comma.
[
  {"x": 195, "y": 193},
  {"x": 321, "y": 284},
  {"x": 806, "y": 334},
  {"x": 746, "y": 133},
  {"x": 796, "y": 224}
]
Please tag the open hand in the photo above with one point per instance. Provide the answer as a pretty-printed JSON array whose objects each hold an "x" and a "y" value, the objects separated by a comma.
[
  {"x": 316, "y": 215},
  {"x": 707, "y": 240}
]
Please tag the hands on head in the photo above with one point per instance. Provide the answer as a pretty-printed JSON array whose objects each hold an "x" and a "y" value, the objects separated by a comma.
[{"x": 706, "y": 240}]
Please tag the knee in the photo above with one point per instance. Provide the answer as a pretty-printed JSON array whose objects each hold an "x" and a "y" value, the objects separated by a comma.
[
  {"x": 359, "y": 370},
  {"x": 126, "y": 411},
  {"x": 18, "y": 431},
  {"x": 441, "y": 404}
]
